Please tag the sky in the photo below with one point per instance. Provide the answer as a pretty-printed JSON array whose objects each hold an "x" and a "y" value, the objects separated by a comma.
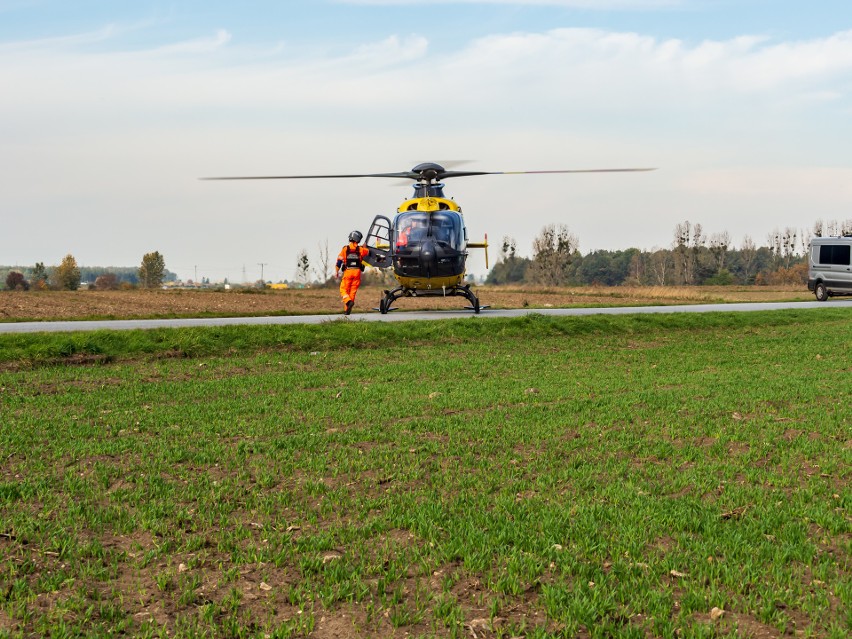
[{"x": 111, "y": 111}]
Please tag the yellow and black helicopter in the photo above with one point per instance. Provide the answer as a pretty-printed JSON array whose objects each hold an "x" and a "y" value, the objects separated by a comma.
[{"x": 426, "y": 242}]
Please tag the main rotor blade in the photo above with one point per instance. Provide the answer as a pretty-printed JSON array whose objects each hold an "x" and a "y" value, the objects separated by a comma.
[
  {"x": 401, "y": 174},
  {"x": 415, "y": 175},
  {"x": 449, "y": 174}
]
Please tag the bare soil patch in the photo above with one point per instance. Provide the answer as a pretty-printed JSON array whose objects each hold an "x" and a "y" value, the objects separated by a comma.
[{"x": 71, "y": 305}]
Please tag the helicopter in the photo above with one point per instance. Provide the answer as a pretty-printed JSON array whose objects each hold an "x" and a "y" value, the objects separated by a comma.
[{"x": 426, "y": 243}]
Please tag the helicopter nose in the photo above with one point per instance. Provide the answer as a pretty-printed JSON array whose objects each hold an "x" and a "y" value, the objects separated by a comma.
[{"x": 428, "y": 258}]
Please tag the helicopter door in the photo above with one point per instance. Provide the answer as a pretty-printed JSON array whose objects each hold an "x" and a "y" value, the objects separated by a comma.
[{"x": 378, "y": 242}]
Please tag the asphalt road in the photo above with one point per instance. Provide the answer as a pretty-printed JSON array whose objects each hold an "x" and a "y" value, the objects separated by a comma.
[{"x": 403, "y": 316}]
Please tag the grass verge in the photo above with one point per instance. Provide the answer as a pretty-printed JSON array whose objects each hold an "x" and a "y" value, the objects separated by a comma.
[{"x": 35, "y": 349}]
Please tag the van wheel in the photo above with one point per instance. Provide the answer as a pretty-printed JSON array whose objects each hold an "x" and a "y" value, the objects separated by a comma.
[{"x": 821, "y": 292}]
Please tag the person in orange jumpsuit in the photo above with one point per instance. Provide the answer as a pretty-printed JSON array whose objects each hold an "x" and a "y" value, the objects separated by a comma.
[{"x": 350, "y": 261}]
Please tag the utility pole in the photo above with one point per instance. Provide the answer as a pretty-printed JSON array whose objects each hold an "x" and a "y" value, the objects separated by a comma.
[
  {"x": 195, "y": 279},
  {"x": 262, "y": 264}
]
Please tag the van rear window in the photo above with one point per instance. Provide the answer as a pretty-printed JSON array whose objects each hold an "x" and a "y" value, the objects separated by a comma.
[{"x": 834, "y": 254}]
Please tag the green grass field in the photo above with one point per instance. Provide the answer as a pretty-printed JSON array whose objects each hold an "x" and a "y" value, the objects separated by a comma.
[{"x": 635, "y": 476}]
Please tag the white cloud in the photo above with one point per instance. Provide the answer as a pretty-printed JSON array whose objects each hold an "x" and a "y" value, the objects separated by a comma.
[
  {"x": 591, "y": 60},
  {"x": 574, "y": 69},
  {"x": 393, "y": 48},
  {"x": 60, "y": 43},
  {"x": 196, "y": 46}
]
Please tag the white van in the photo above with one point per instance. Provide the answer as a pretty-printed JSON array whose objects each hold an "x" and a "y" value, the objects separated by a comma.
[{"x": 830, "y": 267}]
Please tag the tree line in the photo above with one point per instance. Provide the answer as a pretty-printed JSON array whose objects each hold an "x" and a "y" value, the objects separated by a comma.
[
  {"x": 68, "y": 275},
  {"x": 693, "y": 258}
]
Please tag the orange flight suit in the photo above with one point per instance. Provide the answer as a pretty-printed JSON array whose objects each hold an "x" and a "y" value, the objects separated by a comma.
[{"x": 351, "y": 279}]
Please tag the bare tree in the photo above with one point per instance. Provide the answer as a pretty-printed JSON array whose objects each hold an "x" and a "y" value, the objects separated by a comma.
[
  {"x": 788, "y": 245},
  {"x": 303, "y": 266},
  {"x": 553, "y": 251},
  {"x": 783, "y": 246},
  {"x": 638, "y": 266},
  {"x": 832, "y": 227},
  {"x": 509, "y": 267},
  {"x": 508, "y": 248},
  {"x": 748, "y": 253},
  {"x": 775, "y": 242},
  {"x": 805, "y": 242},
  {"x": 661, "y": 260},
  {"x": 698, "y": 241},
  {"x": 680, "y": 247},
  {"x": 323, "y": 271},
  {"x": 719, "y": 243},
  {"x": 688, "y": 239}
]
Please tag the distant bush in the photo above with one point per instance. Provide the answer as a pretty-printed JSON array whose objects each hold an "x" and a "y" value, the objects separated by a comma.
[
  {"x": 797, "y": 274},
  {"x": 16, "y": 281},
  {"x": 723, "y": 278},
  {"x": 39, "y": 277},
  {"x": 106, "y": 282}
]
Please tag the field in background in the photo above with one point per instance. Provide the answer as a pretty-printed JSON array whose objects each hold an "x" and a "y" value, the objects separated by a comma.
[
  {"x": 47, "y": 305},
  {"x": 604, "y": 476}
]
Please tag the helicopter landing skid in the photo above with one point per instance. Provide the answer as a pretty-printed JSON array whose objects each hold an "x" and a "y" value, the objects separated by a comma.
[
  {"x": 383, "y": 308},
  {"x": 455, "y": 291}
]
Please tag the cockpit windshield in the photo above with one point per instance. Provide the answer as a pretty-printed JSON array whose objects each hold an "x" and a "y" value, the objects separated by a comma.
[{"x": 442, "y": 227}]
